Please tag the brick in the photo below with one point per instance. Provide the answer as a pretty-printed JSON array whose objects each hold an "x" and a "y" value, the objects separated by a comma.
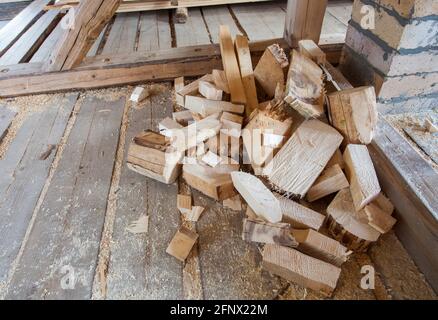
[
  {"x": 425, "y": 61},
  {"x": 409, "y": 86}
]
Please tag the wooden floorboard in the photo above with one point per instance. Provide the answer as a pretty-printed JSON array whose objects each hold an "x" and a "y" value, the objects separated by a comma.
[
  {"x": 25, "y": 178},
  {"x": 123, "y": 34},
  {"x": 44, "y": 51},
  {"x": 136, "y": 267},
  {"x": 68, "y": 226},
  {"x": 9, "y": 10},
  {"x": 193, "y": 32},
  {"x": 6, "y": 117},
  {"x": 154, "y": 31},
  {"x": 230, "y": 267},
  {"x": 216, "y": 16}
]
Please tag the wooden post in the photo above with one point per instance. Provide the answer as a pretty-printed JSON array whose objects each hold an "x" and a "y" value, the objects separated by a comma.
[
  {"x": 90, "y": 17},
  {"x": 304, "y": 20}
]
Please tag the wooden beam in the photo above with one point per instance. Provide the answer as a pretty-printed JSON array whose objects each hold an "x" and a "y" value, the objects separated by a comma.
[
  {"x": 90, "y": 18},
  {"x": 304, "y": 20}
]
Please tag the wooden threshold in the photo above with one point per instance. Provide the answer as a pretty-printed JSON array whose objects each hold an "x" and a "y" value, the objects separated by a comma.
[{"x": 121, "y": 69}]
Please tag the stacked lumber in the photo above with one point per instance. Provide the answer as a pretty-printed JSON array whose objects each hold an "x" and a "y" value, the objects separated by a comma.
[{"x": 273, "y": 159}]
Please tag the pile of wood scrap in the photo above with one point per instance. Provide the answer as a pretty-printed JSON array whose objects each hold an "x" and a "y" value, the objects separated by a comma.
[{"x": 305, "y": 143}]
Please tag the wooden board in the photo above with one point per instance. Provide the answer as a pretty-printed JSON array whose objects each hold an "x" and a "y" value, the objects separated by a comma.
[
  {"x": 154, "y": 31},
  {"x": 331, "y": 180},
  {"x": 23, "y": 49},
  {"x": 6, "y": 117},
  {"x": 24, "y": 174},
  {"x": 215, "y": 17},
  {"x": 301, "y": 160},
  {"x": 44, "y": 51},
  {"x": 17, "y": 26},
  {"x": 121, "y": 38},
  {"x": 74, "y": 209},
  {"x": 193, "y": 32}
]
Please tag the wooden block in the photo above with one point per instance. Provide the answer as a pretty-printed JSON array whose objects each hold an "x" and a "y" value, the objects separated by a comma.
[
  {"x": 321, "y": 247},
  {"x": 210, "y": 91},
  {"x": 299, "y": 216},
  {"x": 251, "y": 214},
  {"x": 193, "y": 87},
  {"x": 220, "y": 80},
  {"x": 139, "y": 94},
  {"x": 265, "y": 232},
  {"x": 364, "y": 184},
  {"x": 379, "y": 219},
  {"x": 150, "y": 154},
  {"x": 196, "y": 133},
  {"x": 231, "y": 124},
  {"x": 213, "y": 182},
  {"x": 349, "y": 226},
  {"x": 384, "y": 204},
  {"x": 225, "y": 145},
  {"x": 305, "y": 86},
  {"x": 207, "y": 107},
  {"x": 233, "y": 203},
  {"x": 272, "y": 140},
  {"x": 179, "y": 84},
  {"x": 301, "y": 160},
  {"x": 354, "y": 113},
  {"x": 269, "y": 72},
  {"x": 182, "y": 243},
  {"x": 211, "y": 159},
  {"x": 183, "y": 117},
  {"x": 181, "y": 15},
  {"x": 258, "y": 197},
  {"x": 338, "y": 159},
  {"x": 194, "y": 214},
  {"x": 231, "y": 67},
  {"x": 184, "y": 203},
  {"x": 330, "y": 181},
  {"x": 301, "y": 269},
  {"x": 247, "y": 73},
  {"x": 311, "y": 50},
  {"x": 167, "y": 126}
]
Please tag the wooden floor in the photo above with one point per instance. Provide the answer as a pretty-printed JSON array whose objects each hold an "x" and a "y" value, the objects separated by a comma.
[
  {"x": 67, "y": 197},
  {"x": 153, "y": 30}
]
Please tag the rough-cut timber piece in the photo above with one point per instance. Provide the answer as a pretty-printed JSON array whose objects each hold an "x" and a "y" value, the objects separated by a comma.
[
  {"x": 195, "y": 133},
  {"x": 90, "y": 17},
  {"x": 182, "y": 243},
  {"x": 231, "y": 124},
  {"x": 210, "y": 91},
  {"x": 320, "y": 246},
  {"x": 213, "y": 182},
  {"x": 184, "y": 203},
  {"x": 299, "y": 268},
  {"x": 269, "y": 72},
  {"x": 206, "y": 107},
  {"x": 183, "y": 117},
  {"x": 17, "y": 26},
  {"x": 211, "y": 159},
  {"x": 379, "y": 219},
  {"x": 348, "y": 226},
  {"x": 139, "y": 94},
  {"x": 359, "y": 167},
  {"x": 150, "y": 154},
  {"x": 337, "y": 159},
  {"x": 258, "y": 197},
  {"x": 304, "y": 20},
  {"x": 299, "y": 216},
  {"x": 233, "y": 203},
  {"x": 265, "y": 232},
  {"x": 231, "y": 67},
  {"x": 247, "y": 73},
  {"x": 301, "y": 160},
  {"x": 179, "y": 84},
  {"x": 220, "y": 80},
  {"x": 167, "y": 126},
  {"x": 193, "y": 87},
  {"x": 384, "y": 204},
  {"x": 311, "y": 50},
  {"x": 305, "y": 86},
  {"x": 354, "y": 113},
  {"x": 263, "y": 123},
  {"x": 225, "y": 145},
  {"x": 194, "y": 214},
  {"x": 181, "y": 15},
  {"x": 330, "y": 181}
]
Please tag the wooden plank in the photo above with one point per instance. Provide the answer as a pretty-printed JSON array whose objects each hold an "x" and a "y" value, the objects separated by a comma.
[
  {"x": 299, "y": 163},
  {"x": 73, "y": 209},
  {"x": 90, "y": 17},
  {"x": 26, "y": 181},
  {"x": 10, "y": 9},
  {"x": 304, "y": 20},
  {"x": 94, "y": 50},
  {"x": 26, "y": 46},
  {"x": 154, "y": 31},
  {"x": 231, "y": 66},
  {"x": 333, "y": 31},
  {"x": 136, "y": 263},
  {"x": 193, "y": 32},
  {"x": 260, "y": 21},
  {"x": 215, "y": 17},
  {"x": 46, "y": 48},
  {"x": 6, "y": 117},
  {"x": 121, "y": 38},
  {"x": 20, "y": 24}
]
